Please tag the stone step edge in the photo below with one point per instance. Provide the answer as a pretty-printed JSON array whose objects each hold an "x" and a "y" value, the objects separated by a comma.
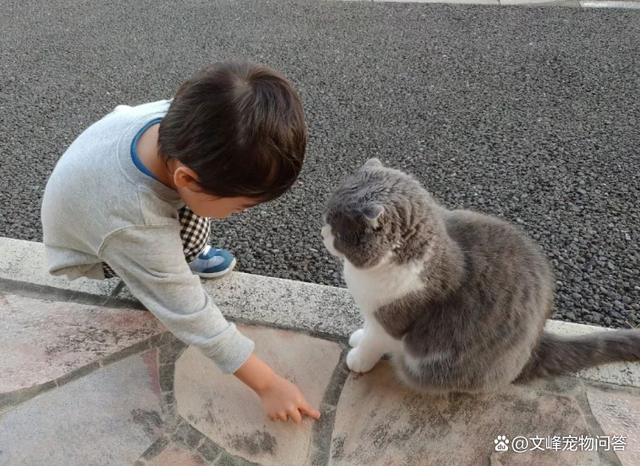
[
  {"x": 587, "y": 4},
  {"x": 282, "y": 303},
  {"x": 321, "y": 310}
]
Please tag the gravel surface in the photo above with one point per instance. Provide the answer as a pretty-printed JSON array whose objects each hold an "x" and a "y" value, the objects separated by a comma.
[{"x": 530, "y": 114}]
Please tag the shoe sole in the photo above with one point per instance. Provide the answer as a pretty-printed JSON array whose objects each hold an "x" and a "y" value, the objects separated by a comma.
[{"x": 222, "y": 273}]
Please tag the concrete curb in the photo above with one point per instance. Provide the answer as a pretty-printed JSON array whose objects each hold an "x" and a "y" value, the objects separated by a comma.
[
  {"x": 247, "y": 298},
  {"x": 564, "y": 3},
  {"x": 257, "y": 300}
]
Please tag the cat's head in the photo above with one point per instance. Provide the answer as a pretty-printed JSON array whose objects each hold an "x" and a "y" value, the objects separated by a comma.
[{"x": 373, "y": 213}]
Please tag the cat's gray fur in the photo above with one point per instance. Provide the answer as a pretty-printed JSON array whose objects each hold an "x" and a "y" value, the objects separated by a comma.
[{"x": 489, "y": 289}]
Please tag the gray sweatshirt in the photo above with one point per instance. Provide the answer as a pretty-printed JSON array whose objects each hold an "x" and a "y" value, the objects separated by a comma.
[{"x": 99, "y": 207}]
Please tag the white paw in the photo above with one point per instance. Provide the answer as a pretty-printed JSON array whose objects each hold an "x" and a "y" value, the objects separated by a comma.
[
  {"x": 356, "y": 337},
  {"x": 357, "y": 363}
]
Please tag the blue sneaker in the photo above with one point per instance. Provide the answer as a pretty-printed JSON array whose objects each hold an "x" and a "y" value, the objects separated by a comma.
[{"x": 213, "y": 263}]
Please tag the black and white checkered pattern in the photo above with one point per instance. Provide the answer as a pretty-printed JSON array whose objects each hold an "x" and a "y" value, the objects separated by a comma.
[
  {"x": 194, "y": 232},
  {"x": 108, "y": 271}
]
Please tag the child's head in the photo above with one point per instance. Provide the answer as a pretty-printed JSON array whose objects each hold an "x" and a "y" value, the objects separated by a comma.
[{"x": 234, "y": 136}]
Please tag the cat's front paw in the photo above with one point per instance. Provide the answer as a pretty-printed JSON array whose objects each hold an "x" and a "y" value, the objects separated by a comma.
[
  {"x": 354, "y": 339},
  {"x": 357, "y": 362}
]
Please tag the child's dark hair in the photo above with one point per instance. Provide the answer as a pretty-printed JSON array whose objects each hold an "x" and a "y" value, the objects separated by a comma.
[{"x": 240, "y": 127}]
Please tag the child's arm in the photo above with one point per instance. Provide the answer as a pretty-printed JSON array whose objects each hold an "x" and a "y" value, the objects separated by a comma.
[
  {"x": 280, "y": 398},
  {"x": 151, "y": 262}
]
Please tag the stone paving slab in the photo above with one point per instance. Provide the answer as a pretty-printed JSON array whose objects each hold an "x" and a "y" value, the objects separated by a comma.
[
  {"x": 381, "y": 422},
  {"x": 575, "y": 3},
  {"x": 177, "y": 456},
  {"x": 469, "y": 2},
  {"x": 228, "y": 413},
  {"x": 109, "y": 417},
  {"x": 26, "y": 261},
  {"x": 631, "y": 4},
  {"x": 635, "y": 4},
  {"x": 44, "y": 340},
  {"x": 618, "y": 414}
]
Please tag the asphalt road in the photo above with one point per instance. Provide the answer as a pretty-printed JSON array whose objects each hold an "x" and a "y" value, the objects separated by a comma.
[{"x": 530, "y": 114}]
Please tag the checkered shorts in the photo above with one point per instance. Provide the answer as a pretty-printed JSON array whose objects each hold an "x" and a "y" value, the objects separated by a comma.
[{"x": 194, "y": 232}]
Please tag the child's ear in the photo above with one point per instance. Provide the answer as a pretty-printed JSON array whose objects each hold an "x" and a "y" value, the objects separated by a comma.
[{"x": 184, "y": 177}]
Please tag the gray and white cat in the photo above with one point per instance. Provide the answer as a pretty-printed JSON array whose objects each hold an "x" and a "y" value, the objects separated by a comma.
[{"x": 458, "y": 299}]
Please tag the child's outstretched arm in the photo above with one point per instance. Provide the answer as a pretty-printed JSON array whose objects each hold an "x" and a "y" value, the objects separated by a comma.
[
  {"x": 281, "y": 399},
  {"x": 152, "y": 265}
]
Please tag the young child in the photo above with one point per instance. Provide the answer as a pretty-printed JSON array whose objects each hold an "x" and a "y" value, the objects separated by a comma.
[{"x": 131, "y": 196}]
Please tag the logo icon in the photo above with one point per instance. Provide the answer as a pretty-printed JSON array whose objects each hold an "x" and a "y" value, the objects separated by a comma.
[{"x": 501, "y": 443}]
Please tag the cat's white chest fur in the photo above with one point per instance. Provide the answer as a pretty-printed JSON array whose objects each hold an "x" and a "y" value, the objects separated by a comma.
[{"x": 374, "y": 287}]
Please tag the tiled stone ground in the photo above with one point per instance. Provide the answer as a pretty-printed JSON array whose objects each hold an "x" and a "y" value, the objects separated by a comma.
[
  {"x": 402, "y": 427},
  {"x": 108, "y": 417},
  {"x": 84, "y": 384},
  {"x": 223, "y": 410},
  {"x": 43, "y": 340}
]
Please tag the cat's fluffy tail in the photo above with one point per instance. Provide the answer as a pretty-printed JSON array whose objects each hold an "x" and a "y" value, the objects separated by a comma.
[{"x": 557, "y": 354}]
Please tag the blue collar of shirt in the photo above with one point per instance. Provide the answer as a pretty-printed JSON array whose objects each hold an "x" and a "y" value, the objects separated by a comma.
[{"x": 134, "y": 153}]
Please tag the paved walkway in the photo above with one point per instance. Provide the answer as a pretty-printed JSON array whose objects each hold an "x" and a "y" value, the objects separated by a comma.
[
  {"x": 565, "y": 3},
  {"x": 89, "y": 378},
  {"x": 632, "y": 4}
]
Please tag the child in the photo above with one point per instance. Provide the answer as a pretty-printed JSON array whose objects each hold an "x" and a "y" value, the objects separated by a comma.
[{"x": 130, "y": 196}]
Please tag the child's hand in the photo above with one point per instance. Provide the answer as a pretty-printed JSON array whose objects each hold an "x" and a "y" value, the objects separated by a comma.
[{"x": 283, "y": 400}]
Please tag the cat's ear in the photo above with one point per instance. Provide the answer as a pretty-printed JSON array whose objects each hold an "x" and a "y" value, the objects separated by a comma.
[
  {"x": 373, "y": 163},
  {"x": 373, "y": 214}
]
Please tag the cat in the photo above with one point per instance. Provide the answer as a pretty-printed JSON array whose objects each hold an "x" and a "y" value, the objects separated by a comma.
[{"x": 458, "y": 299}]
